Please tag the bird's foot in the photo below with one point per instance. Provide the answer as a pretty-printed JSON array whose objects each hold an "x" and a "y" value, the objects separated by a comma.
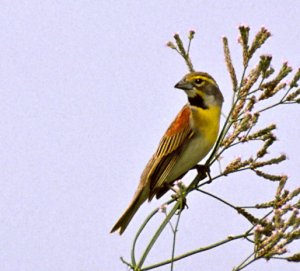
[{"x": 203, "y": 172}]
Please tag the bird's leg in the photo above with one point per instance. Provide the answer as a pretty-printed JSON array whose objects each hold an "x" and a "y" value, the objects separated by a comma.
[{"x": 203, "y": 171}]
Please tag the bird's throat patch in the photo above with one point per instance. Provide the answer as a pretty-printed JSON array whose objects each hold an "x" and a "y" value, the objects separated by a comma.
[{"x": 197, "y": 101}]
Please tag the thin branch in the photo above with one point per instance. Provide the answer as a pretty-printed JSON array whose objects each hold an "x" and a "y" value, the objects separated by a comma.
[
  {"x": 174, "y": 239},
  {"x": 157, "y": 234},
  {"x": 217, "y": 198},
  {"x": 245, "y": 262},
  {"x": 190, "y": 253}
]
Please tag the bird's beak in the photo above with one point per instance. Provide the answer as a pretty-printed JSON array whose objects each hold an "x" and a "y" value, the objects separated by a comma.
[{"x": 184, "y": 85}]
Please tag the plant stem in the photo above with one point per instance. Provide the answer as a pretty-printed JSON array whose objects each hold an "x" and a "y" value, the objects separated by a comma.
[
  {"x": 217, "y": 198},
  {"x": 157, "y": 234},
  {"x": 133, "y": 261},
  {"x": 174, "y": 240},
  {"x": 182, "y": 256},
  {"x": 245, "y": 263}
]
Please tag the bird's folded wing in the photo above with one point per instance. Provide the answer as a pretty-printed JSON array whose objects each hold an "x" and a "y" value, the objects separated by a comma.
[{"x": 168, "y": 151}]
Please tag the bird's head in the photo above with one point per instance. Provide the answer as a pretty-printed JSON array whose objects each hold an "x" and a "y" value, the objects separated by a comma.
[{"x": 201, "y": 89}]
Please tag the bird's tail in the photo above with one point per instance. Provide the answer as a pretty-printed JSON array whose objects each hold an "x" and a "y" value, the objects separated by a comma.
[{"x": 122, "y": 223}]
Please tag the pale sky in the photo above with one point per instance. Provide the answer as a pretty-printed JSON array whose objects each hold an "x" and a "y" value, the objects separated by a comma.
[{"x": 86, "y": 93}]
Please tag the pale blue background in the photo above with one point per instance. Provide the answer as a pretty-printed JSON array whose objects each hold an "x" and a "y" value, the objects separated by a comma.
[{"x": 86, "y": 93}]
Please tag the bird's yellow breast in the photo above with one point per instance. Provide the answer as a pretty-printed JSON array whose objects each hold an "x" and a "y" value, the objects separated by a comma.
[{"x": 206, "y": 122}]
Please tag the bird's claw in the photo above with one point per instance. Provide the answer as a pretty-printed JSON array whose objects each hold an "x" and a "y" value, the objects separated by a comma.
[
  {"x": 203, "y": 172},
  {"x": 182, "y": 201}
]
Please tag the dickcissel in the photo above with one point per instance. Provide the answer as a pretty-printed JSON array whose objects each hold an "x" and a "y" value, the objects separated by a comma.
[{"x": 188, "y": 140}]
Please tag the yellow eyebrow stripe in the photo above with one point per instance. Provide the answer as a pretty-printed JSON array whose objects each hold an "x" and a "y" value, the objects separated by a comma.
[{"x": 204, "y": 78}]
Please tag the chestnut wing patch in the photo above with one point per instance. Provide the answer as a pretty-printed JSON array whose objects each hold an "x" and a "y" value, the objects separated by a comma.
[{"x": 169, "y": 150}]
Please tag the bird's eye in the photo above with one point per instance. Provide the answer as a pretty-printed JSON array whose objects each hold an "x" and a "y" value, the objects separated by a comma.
[{"x": 198, "y": 81}]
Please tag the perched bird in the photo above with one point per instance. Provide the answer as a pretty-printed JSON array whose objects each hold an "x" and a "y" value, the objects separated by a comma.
[{"x": 188, "y": 140}]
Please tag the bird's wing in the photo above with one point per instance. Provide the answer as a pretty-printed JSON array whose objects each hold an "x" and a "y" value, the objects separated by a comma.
[{"x": 168, "y": 151}]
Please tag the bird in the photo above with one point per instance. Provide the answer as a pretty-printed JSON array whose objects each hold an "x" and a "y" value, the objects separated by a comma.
[{"x": 187, "y": 141}]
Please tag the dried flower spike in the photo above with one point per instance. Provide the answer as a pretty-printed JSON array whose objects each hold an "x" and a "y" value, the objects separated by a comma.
[{"x": 229, "y": 64}]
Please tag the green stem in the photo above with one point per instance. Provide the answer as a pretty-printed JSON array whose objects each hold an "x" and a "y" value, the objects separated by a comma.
[
  {"x": 287, "y": 92},
  {"x": 174, "y": 240},
  {"x": 157, "y": 234},
  {"x": 245, "y": 263},
  {"x": 269, "y": 107},
  {"x": 217, "y": 198},
  {"x": 190, "y": 253},
  {"x": 133, "y": 261},
  {"x": 128, "y": 264},
  {"x": 189, "y": 47}
]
